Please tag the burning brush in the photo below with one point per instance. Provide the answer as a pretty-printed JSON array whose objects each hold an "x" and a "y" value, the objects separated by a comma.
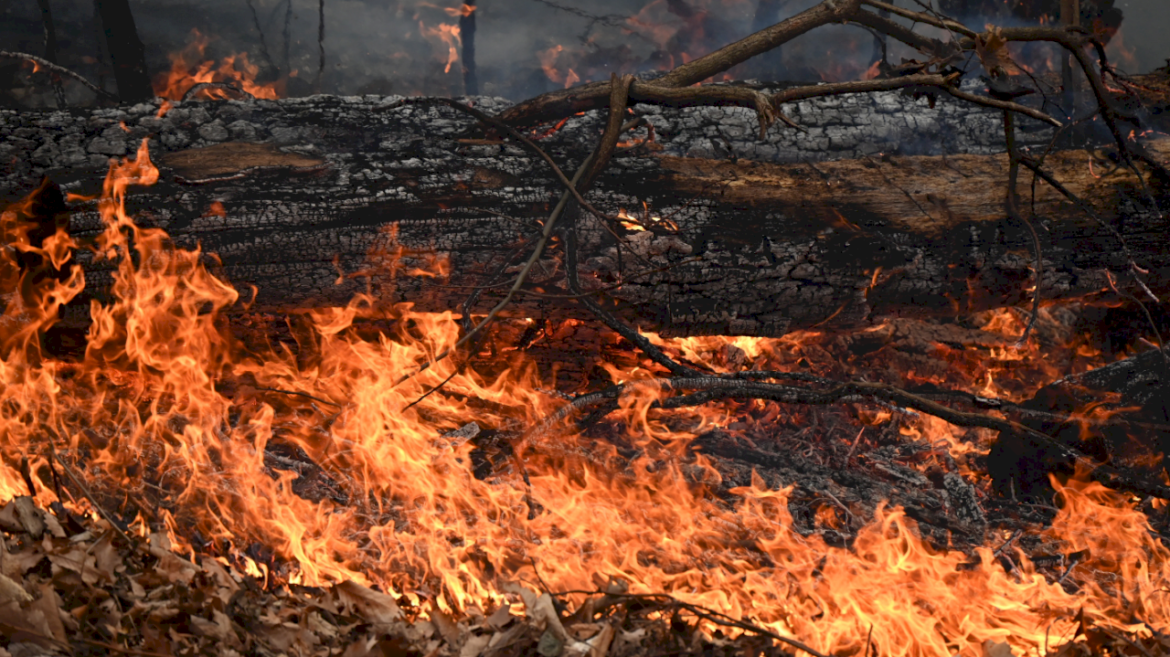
[{"x": 267, "y": 499}]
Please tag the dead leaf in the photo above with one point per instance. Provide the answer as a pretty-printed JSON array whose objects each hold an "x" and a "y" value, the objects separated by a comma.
[
  {"x": 20, "y": 625},
  {"x": 447, "y": 627},
  {"x": 996, "y": 649},
  {"x": 991, "y": 46},
  {"x": 374, "y": 647},
  {"x": 174, "y": 568},
  {"x": 106, "y": 558},
  {"x": 29, "y": 516},
  {"x": 53, "y": 525},
  {"x": 19, "y": 563},
  {"x": 475, "y": 646},
  {"x": 501, "y": 640},
  {"x": 371, "y": 605},
  {"x": 527, "y": 596},
  {"x": 226, "y": 586},
  {"x": 8, "y": 520},
  {"x": 50, "y": 607},
  {"x": 12, "y": 591},
  {"x": 546, "y": 612},
  {"x": 76, "y": 558},
  {"x": 501, "y": 617},
  {"x": 599, "y": 644},
  {"x": 320, "y": 626},
  {"x": 219, "y": 627},
  {"x": 550, "y": 645}
]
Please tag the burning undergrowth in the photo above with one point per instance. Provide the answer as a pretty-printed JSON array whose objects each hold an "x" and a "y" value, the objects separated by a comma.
[{"x": 324, "y": 497}]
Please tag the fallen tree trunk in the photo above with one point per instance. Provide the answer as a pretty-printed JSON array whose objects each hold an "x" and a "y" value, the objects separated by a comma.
[{"x": 342, "y": 198}]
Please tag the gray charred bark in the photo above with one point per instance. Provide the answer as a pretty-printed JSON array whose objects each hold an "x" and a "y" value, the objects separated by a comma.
[{"x": 323, "y": 195}]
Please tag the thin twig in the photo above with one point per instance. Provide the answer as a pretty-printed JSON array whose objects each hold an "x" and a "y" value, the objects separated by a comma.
[
  {"x": 1001, "y": 104},
  {"x": 518, "y": 136},
  {"x": 938, "y": 21},
  {"x": 711, "y": 388},
  {"x": 40, "y": 61},
  {"x": 88, "y": 494},
  {"x": 1013, "y": 208},
  {"x": 301, "y": 394},
  {"x": 719, "y": 618},
  {"x": 260, "y": 32}
]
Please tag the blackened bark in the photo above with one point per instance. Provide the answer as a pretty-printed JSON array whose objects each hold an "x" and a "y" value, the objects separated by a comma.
[
  {"x": 126, "y": 51},
  {"x": 341, "y": 189},
  {"x": 320, "y": 39},
  {"x": 467, "y": 33},
  {"x": 51, "y": 49},
  {"x": 1131, "y": 431}
]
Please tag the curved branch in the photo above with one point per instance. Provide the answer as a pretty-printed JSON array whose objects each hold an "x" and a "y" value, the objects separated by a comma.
[
  {"x": 922, "y": 17},
  {"x": 61, "y": 70},
  {"x": 711, "y": 388},
  {"x": 906, "y": 35},
  {"x": 594, "y": 95},
  {"x": 1005, "y": 105}
]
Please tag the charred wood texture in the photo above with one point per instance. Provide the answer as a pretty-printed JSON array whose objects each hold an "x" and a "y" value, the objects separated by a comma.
[
  {"x": 1136, "y": 390},
  {"x": 467, "y": 35},
  {"x": 325, "y": 197}
]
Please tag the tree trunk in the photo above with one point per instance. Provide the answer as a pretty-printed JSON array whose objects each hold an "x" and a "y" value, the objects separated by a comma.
[
  {"x": 126, "y": 51},
  {"x": 344, "y": 198}
]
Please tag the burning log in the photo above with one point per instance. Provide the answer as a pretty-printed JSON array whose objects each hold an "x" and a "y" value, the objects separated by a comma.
[
  {"x": 1130, "y": 428},
  {"x": 707, "y": 242},
  {"x": 705, "y": 483}
]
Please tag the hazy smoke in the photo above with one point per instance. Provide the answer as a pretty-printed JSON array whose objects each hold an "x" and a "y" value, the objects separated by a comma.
[{"x": 524, "y": 47}]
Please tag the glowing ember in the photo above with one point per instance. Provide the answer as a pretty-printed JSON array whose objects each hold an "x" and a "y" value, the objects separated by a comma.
[{"x": 166, "y": 406}]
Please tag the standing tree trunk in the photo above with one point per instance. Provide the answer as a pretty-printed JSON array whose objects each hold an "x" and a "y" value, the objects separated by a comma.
[
  {"x": 770, "y": 65},
  {"x": 1070, "y": 16},
  {"x": 126, "y": 51},
  {"x": 51, "y": 49},
  {"x": 467, "y": 33}
]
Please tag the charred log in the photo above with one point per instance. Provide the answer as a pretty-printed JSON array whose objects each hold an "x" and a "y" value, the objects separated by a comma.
[
  {"x": 1118, "y": 414},
  {"x": 342, "y": 198}
]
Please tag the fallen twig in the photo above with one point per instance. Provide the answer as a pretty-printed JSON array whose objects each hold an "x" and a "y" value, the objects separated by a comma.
[
  {"x": 40, "y": 61},
  {"x": 113, "y": 522}
]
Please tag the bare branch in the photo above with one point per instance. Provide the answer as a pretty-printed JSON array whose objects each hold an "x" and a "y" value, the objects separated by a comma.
[{"x": 40, "y": 61}]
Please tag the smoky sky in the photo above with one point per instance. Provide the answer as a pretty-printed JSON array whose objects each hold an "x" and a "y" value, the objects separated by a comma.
[{"x": 524, "y": 47}]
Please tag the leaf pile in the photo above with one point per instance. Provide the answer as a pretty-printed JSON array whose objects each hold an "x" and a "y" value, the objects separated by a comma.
[
  {"x": 90, "y": 591},
  {"x": 86, "y": 591}
]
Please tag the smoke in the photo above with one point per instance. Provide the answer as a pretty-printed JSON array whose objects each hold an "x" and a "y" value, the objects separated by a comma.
[{"x": 524, "y": 47}]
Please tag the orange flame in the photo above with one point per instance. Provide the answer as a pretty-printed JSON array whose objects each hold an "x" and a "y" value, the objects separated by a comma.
[
  {"x": 190, "y": 67},
  {"x": 461, "y": 11},
  {"x": 448, "y": 35},
  {"x": 167, "y": 403}
]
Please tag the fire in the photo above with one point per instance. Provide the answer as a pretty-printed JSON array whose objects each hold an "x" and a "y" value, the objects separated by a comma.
[
  {"x": 448, "y": 35},
  {"x": 548, "y": 62},
  {"x": 190, "y": 67},
  {"x": 461, "y": 11},
  {"x": 168, "y": 407},
  {"x": 1121, "y": 53}
]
